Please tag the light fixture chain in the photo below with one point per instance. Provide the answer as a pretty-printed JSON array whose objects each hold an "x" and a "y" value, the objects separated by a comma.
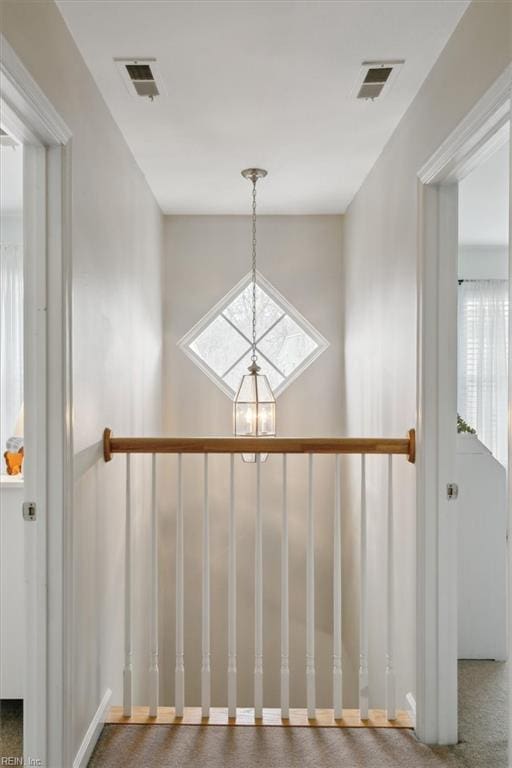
[
  {"x": 254, "y": 408},
  {"x": 254, "y": 270}
]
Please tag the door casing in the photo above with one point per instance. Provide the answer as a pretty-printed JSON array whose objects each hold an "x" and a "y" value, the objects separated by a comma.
[
  {"x": 479, "y": 134},
  {"x": 31, "y": 118}
]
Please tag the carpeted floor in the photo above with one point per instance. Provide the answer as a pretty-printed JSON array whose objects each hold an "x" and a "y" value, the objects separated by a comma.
[
  {"x": 11, "y": 729},
  {"x": 483, "y": 715},
  {"x": 483, "y": 733}
]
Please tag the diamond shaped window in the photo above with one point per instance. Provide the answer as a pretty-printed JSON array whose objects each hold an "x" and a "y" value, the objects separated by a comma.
[{"x": 220, "y": 343}]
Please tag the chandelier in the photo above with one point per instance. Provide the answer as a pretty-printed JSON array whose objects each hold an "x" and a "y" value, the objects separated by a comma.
[{"x": 254, "y": 410}]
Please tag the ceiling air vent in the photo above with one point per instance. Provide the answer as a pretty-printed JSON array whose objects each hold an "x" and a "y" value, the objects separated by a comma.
[
  {"x": 141, "y": 77},
  {"x": 376, "y": 77}
]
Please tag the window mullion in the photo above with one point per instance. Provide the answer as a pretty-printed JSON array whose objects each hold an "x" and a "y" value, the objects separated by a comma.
[
  {"x": 234, "y": 364},
  {"x": 241, "y": 333},
  {"x": 271, "y": 363},
  {"x": 271, "y": 327}
]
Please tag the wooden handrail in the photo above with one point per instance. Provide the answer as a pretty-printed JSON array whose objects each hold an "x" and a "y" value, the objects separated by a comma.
[{"x": 404, "y": 446}]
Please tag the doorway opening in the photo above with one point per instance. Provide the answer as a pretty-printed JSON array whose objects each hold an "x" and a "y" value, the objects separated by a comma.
[
  {"x": 482, "y": 448},
  {"x": 12, "y": 571},
  {"x": 480, "y": 134},
  {"x": 30, "y": 120}
]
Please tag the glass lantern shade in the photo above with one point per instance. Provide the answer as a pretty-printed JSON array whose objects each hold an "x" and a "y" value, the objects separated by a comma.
[{"x": 255, "y": 410}]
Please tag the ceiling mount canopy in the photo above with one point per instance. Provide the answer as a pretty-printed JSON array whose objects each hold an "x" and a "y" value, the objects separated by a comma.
[{"x": 253, "y": 174}]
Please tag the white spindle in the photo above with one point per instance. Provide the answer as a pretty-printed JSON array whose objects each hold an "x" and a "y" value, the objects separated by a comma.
[
  {"x": 127, "y": 671},
  {"x": 337, "y": 674},
  {"x": 205, "y": 666},
  {"x": 179, "y": 675},
  {"x": 232, "y": 594},
  {"x": 258, "y": 612},
  {"x": 285, "y": 627},
  {"x": 153, "y": 618},
  {"x": 363, "y": 606},
  {"x": 310, "y": 601},
  {"x": 390, "y": 671}
]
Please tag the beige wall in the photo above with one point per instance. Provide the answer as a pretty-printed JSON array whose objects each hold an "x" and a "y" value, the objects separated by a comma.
[
  {"x": 205, "y": 256},
  {"x": 379, "y": 294},
  {"x": 116, "y": 347},
  {"x": 117, "y": 359}
]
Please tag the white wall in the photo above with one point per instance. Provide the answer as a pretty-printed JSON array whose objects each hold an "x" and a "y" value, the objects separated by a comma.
[
  {"x": 11, "y": 228},
  {"x": 12, "y": 590},
  {"x": 117, "y": 328},
  {"x": 205, "y": 256},
  {"x": 379, "y": 283},
  {"x": 116, "y": 243},
  {"x": 483, "y": 219},
  {"x": 483, "y": 262},
  {"x": 483, "y": 201}
]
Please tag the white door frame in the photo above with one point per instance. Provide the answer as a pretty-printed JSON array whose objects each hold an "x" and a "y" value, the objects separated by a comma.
[
  {"x": 475, "y": 138},
  {"x": 29, "y": 115}
]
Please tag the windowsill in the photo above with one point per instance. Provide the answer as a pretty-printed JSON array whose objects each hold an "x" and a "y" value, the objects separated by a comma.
[{"x": 11, "y": 481}]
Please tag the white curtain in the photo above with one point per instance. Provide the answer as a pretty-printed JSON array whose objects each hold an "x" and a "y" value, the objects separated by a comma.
[
  {"x": 482, "y": 361},
  {"x": 11, "y": 341}
]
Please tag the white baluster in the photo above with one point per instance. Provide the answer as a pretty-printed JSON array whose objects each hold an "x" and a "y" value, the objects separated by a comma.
[
  {"x": 363, "y": 606},
  {"x": 337, "y": 674},
  {"x": 179, "y": 675},
  {"x": 127, "y": 671},
  {"x": 390, "y": 671},
  {"x": 258, "y": 612},
  {"x": 285, "y": 627},
  {"x": 205, "y": 666},
  {"x": 232, "y": 593},
  {"x": 153, "y": 618},
  {"x": 310, "y": 602}
]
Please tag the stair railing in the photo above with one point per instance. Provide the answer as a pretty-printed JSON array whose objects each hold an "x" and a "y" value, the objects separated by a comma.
[{"x": 281, "y": 445}]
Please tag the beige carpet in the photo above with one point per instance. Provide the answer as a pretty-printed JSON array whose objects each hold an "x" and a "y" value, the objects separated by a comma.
[
  {"x": 483, "y": 732},
  {"x": 159, "y": 746},
  {"x": 483, "y": 715},
  {"x": 11, "y": 729}
]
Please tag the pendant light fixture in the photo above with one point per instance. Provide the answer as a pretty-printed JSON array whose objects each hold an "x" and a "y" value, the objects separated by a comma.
[{"x": 255, "y": 404}]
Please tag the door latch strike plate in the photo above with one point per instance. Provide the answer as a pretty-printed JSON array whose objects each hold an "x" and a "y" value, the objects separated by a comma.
[
  {"x": 452, "y": 491},
  {"x": 29, "y": 511}
]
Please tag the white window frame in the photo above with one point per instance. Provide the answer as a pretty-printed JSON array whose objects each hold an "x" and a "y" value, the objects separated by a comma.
[{"x": 287, "y": 309}]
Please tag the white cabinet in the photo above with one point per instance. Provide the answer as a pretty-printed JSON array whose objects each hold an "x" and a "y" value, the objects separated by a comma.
[
  {"x": 12, "y": 590},
  {"x": 482, "y": 553}
]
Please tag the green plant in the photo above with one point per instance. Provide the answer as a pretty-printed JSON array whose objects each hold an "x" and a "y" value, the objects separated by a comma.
[{"x": 463, "y": 426}]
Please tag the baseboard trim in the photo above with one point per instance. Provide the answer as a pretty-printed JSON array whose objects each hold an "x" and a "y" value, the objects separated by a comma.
[
  {"x": 411, "y": 708},
  {"x": 93, "y": 732}
]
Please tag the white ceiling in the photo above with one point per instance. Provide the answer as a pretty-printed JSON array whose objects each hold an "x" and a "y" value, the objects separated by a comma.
[
  {"x": 484, "y": 202},
  {"x": 11, "y": 180},
  {"x": 250, "y": 83}
]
